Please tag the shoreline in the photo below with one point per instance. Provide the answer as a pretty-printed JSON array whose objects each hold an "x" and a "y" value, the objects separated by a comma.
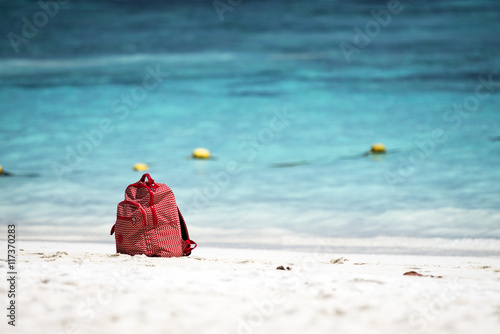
[
  {"x": 280, "y": 239},
  {"x": 343, "y": 249}
]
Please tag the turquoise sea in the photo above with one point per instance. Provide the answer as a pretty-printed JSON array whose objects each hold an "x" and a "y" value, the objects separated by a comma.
[{"x": 288, "y": 96}]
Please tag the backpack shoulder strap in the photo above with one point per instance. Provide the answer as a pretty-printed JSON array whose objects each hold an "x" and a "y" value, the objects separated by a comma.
[{"x": 185, "y": 235}]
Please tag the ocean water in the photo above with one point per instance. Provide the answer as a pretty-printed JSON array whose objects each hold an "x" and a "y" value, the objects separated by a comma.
[{"x": 287, "y": 96}]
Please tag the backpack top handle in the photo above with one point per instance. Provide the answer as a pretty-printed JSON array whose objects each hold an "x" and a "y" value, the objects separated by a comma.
[{"x": 150, "y": 179}]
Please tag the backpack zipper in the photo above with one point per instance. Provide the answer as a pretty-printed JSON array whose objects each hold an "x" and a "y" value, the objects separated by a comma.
[{"x": 153, "y": 210}]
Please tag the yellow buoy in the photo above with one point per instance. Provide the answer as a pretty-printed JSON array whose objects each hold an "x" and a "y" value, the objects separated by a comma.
[
  {"x": 141, "y": 167},
  {"x": 201, "y": 153},
  {"x": 1, "y": 170},
  {"x": 378, "y": 148}
]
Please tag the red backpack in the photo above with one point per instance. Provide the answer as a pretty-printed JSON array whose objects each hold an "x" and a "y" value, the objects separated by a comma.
[{"x": 149, "y": 222}]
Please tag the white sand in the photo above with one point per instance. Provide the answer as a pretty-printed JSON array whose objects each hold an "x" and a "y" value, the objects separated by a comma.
[{"x": 87, "y": 288}]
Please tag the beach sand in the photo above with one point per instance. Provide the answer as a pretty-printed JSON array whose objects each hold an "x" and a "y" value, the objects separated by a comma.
[{"x": 84, "y": 287}]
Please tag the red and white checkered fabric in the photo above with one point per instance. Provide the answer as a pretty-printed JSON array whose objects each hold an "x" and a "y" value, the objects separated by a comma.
[{"x": 149, "y": 222}]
